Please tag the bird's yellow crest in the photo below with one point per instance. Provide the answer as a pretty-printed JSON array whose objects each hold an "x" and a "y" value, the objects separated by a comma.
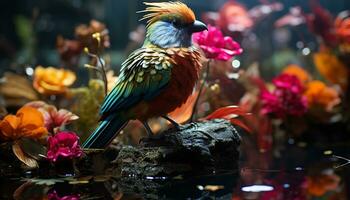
[{"x": 157, "y": 10}]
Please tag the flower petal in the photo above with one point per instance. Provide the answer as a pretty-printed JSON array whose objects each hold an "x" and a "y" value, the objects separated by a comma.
[
  {"x": 30, "y": 116},
  {"x": 8, "y": 127}
]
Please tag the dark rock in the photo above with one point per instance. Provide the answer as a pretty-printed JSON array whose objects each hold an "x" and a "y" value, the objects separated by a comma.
[{"x": 196, "y": 149}]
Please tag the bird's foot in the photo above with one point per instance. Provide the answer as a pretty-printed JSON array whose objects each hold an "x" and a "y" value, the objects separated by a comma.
[
  {"x": 148, "y": 129},
  {"x": 173, "y": 122},
  {"x": 149, "y": 133}
]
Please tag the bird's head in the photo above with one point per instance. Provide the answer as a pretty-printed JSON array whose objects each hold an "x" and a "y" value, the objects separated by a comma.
[{"x": 170, "y": 24}]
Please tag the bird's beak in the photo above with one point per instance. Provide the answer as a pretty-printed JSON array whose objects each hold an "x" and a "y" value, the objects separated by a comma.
[{"x": 198, "y": 26}]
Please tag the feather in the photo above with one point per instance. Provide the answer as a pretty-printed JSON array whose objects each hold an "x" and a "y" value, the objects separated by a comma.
[
  {"x": 154, "y": 79},
  {"x": 140, "y": 79},
  {"x": 157, "y": 10}
]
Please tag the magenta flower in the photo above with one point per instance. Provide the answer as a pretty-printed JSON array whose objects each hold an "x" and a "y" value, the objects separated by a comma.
[
  {"x": 288, "y": 82},
  {"x": 63, "y": 145},
  {"x": 54, "y": 196},
  {"x": 286, "y": 99},
  {"x": 215, "y": 45}
]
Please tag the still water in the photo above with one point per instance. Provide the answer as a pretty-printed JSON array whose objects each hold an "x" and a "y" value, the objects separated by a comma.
[{"x": 297, "y": 172}]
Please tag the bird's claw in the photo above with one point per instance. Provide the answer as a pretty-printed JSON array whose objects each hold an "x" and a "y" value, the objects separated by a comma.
[{"x": 173, "y": 122}]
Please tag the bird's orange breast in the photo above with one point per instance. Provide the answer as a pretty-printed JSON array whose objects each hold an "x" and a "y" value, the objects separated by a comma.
[{"x": 184, "y": 75}]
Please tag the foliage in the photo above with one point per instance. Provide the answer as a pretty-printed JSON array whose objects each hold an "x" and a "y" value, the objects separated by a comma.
[{"x": 87, "y": 101}]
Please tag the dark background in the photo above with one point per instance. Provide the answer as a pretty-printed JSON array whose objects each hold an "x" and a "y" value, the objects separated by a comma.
[{"x": 59, "y": 17}]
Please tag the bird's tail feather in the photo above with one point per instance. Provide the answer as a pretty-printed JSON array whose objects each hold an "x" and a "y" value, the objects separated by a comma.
[{"x": 106, "y": 131}]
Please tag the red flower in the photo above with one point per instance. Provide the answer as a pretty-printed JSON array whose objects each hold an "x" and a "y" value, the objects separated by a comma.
[
  {"x": 215, "y": 45},
  {"x": 234, "y": 17},
  {"x": 63, "y": 144},
  {"x": 320, "y": 22},
  {"x": 342, "y": 26},
  {"x": 285, "y": 99}
]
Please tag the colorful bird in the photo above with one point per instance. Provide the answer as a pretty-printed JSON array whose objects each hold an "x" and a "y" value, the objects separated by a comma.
[{"x": 156, "y": 78}]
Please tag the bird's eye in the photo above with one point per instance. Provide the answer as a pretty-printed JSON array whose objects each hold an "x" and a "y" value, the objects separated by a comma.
[{"x": 175, "y": 22}]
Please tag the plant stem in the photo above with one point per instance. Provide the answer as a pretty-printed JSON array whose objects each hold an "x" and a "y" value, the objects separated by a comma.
[
  {"x": 104, "y": 75},
  {"x": 103, "y": 70},
  {"x": 204, "y": 80}
]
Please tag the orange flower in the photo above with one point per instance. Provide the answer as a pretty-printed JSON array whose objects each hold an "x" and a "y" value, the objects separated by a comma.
[
  {"x": 54, "y": 118},
  {"x": 297, "y": 71},
  {"x": 331, "y": 68},
  {"x": 52, "y": 81},
  {"x": 319, "y": 185},
  {"x": 319, "y": 94},
  {"x": 28, "y": 122},
  {"x": 342, "y": 26}
]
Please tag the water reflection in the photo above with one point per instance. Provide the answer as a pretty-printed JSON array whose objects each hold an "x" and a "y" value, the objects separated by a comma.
[{"x": 301, "y": 174}]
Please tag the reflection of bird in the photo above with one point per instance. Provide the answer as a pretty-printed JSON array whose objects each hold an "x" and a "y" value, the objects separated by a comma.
[{"x": 155, "y": 79}]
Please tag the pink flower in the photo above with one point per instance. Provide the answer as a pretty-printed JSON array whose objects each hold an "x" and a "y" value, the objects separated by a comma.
[
  {"x": 288, "y": 82},
  {"x": 53, "y": 118},
  {"x": 286, "y": 99},
  {"x": 215, "y": 45},
  {"x": 54, "y": 196},
  {"x": 63, "y": 145},
  {"x": 234, "y": 17}
]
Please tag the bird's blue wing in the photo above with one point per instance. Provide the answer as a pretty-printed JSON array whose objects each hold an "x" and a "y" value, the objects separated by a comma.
[{"x": 143, "y": 76}]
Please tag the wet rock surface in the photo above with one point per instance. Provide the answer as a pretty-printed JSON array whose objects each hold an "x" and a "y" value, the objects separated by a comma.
[
  {"x": 196, "y": 149},
  {"x": 185, "y": 158},
  {"x": 199, "y": 148}
]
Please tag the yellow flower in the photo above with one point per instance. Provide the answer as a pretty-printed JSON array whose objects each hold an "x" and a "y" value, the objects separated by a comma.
[
  {"x": 318, "y": 94},
  {"x": 331, "y": 68},
  {"x": 52, "y": 81},
  {"x": 28, "y": 122},
  {"x": 297, "y": 71}
]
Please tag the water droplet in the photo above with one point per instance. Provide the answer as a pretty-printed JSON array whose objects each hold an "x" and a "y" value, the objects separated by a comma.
[
  {"x": 299, "y": 168},
  {"x": 29, "y": 71},
  {"x": 328, "y": 152},
  {"x": 200, "y": 187},
  {"x": 300, "y": 44},
  {"x": 306, "y": 51},
  {"x": 257, "y": 188},
  {"x": 236, "y": 64}
]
